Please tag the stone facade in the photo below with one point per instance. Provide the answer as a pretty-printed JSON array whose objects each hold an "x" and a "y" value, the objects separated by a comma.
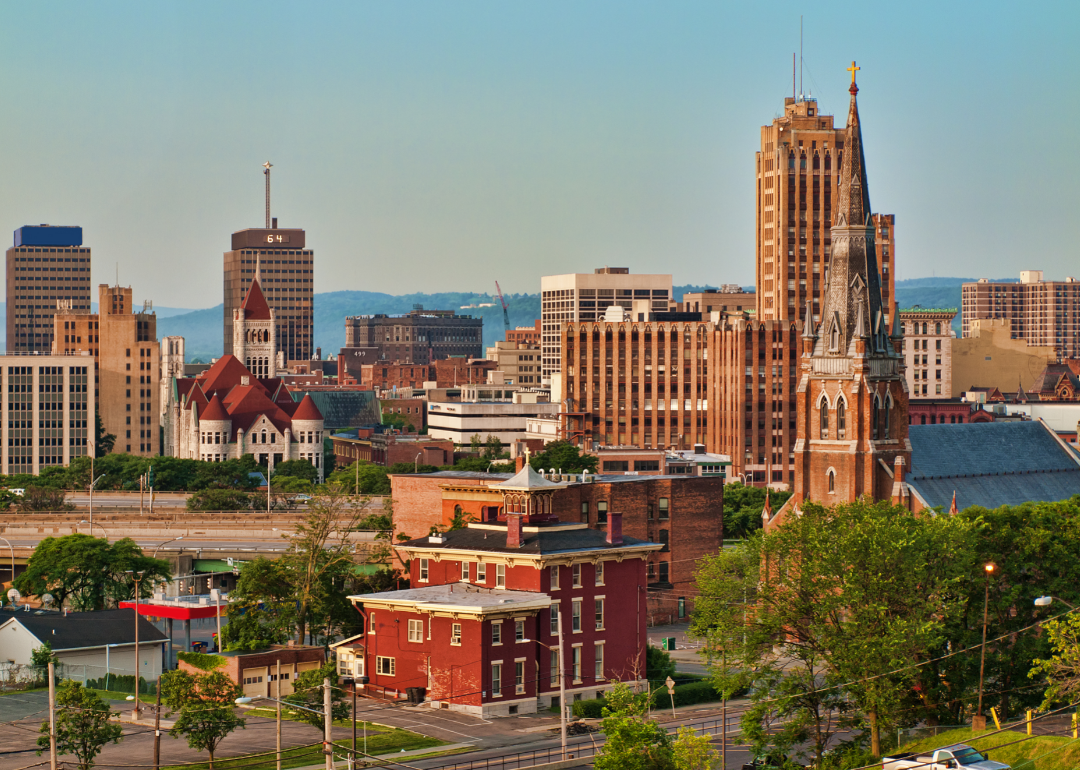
[
  {"x": 988, "y": 356},
  {"x": 1042, "y": 313},
  {"x": 927, "y": 350}
]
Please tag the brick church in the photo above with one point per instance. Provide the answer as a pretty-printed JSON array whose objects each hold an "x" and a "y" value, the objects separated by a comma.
[{"x": 852, "y": 400}]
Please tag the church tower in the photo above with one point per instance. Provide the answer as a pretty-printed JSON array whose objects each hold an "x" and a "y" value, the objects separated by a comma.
[
  {"x": 255, "y": 334},
  {"x": 852, "y": 401}
]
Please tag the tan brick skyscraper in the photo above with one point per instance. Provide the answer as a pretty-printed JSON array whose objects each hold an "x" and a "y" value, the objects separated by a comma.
[{"x": 797, "y": 169}]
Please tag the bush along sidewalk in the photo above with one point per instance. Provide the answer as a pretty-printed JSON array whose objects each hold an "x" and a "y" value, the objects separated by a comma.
[{"x": 688, "y": 691}]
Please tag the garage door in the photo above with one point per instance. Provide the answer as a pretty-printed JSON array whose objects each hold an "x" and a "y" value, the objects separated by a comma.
[{"x": 254, "y": 681}]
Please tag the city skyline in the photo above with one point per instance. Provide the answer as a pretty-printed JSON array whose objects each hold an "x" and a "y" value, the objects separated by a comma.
[{"x": 458, "y": 144}]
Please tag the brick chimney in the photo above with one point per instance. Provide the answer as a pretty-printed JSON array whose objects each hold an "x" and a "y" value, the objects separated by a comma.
[
  {"x": 614, "y": 528},
  {"x": 519, "y": 463},
  {"x": 514, "y": 536}
]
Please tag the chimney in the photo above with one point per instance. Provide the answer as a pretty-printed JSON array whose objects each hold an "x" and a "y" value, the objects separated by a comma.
[
  {"x": 614, "y": 528},
  {"x": 244, "y": 380},
  {"x": 273, "y": 223},
  {"x": 519, "y": 464},
  {"x": 898, "y": 470},
  {"x": 514, "y": 535}
]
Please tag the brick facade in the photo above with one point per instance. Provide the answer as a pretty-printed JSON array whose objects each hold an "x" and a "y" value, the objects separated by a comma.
[{"x": 256, "y": 671}]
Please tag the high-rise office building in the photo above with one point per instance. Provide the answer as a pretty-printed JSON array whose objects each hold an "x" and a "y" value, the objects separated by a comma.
[
  {"x": 927, "y": 351},
  {"x": 796, "y": 184},
  {"x": 418, "y": 337},
  {"x": 581, "y": 297},
  {"x": 127, "y": 383},
  {"x": 1042, "y": 313},
  {"x": 46, "y": 265},
  {"x": 285, "y": 270}
]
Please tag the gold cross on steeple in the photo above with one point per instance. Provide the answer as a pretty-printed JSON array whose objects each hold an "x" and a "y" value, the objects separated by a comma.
[{"x": 853, "y": 69}]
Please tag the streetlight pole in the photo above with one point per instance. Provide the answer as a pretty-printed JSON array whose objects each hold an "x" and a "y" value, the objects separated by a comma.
[
  {"x": 165, "y": 543},
  {"x": 979, "y": 722},
  {"x": 562, "y": 683},
  {"x": 12, "y": 559},
  {"x": 416, "y": 462},
  {"x": 1042, "y": 601},
  {"x": 91, "y": 526},
  {"x": 138, "y": 579}
]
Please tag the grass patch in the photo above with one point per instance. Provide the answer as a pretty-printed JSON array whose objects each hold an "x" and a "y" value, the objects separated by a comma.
[
  {"x": 1021, "y": 756},
  {"x": 23, "y": 692},
  {"x": 144, "y": 699},
  {"x": 288, "y": 715},
  {"x": 301, "y": 756}
]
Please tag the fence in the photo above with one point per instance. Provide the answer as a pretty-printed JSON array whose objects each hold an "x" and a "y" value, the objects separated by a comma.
[{"x": 16, "y": 677}]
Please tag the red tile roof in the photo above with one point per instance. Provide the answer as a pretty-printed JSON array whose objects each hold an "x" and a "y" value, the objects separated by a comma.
[
  {"x": 307, "y": 410},
  {"x": 215, "y": 410},
  {"x": 255, "y": 307}
]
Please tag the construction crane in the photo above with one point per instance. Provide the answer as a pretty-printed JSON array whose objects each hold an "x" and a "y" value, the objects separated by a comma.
[{"x": 506, "y": 313}]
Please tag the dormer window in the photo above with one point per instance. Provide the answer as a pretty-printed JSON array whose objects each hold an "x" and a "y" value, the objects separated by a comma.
[{"x": 834, "y": 337}]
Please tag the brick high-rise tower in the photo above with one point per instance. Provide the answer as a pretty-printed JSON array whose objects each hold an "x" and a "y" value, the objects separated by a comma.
[
  {"x": 797, "y": 169},
  {"x": 852, "y": 401}
]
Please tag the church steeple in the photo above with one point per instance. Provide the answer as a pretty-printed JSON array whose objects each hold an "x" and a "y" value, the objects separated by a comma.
[{"x": 852, "y": 307}]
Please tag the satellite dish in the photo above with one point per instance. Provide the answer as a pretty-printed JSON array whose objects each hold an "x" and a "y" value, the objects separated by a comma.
[
  {"x": 47, "y": 599},
  {"x": 14, "y": 595}
]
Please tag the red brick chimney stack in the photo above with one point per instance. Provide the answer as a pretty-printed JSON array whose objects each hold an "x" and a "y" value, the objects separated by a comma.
[
  {"x": 614, "y": 528},
  {"x": 514, "y": 535},
  {"x": 519, "y": 464}
]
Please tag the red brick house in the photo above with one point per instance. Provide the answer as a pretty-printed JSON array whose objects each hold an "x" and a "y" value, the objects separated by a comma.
[{"x": 479, "y": 631}]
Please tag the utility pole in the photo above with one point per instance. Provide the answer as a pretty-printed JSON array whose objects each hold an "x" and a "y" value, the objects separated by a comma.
[
  {"x": 277, "y": 697},
  {"x": 328, "y": 724},
  {"x": 157, "y": 728},
  {"x": 215, "y": 594},
  {"x": 138, "y": 576},
  {"x": 562, "y": 687},
  {"x": 92, "y": 453},
  {"x": 52, "y": 715},
  {"x": 723, "y": 714},
  {"x": 142, "y": 492},
  {"x": 150, "y": 483}
]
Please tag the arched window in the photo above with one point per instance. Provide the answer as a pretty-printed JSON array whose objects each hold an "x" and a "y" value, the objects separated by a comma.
[
  {"x": 832, "y": 481},
  {"x": 834, "y": 337},
  {"x": 841, "y": 420},
  {"x": 824, "y": 420},
  {"x": 937, "y": 328},
  {"x": 924, "y": 328},
  {"x": 877, "y": 407},
  {"x": 888, "y": 415}
]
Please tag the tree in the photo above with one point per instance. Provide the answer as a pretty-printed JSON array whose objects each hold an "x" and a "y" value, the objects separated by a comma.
[
  {"x": 103, "y": 442},
  {"x": 262, "y": 608},
  {"x": 1060, "y": 671},
  {"x": 743, "y": 506},
  {"x": 564, "y": 456},
  {"x": 297, "y": 469},
  {"x": 308, "y": 692},
  {"x": 658, "y": 664},
  {"x": 83, "y": 725},
  {"x": 633, "y": 742},
  {"x": 225, "y": 500},
  {"x": 492, "y": 447},
  {"x": 691, "y": 751},
  {"x": 821, "y": 610},
  {"x": 41, "y": 657},
  {"x": 205, "y": 703},
  {"x": 43, "y": 499},
  {"x": 89, "y": 573}
]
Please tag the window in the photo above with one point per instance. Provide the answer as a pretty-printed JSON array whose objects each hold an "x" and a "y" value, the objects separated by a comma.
[
  {"x": 554, "y": 668},
  {"x": 664, "y": 571},
  {"x": 423, "y": 570},
  {"x": 584, "y": 516},
  {"x": 599, "y": 573},
  {"x": 455, "y": 634},
  {"x": 371, "y": 624},
  {"x": 601, "y": 512},
  {"x": 519, "y": 676},
  {"x": 832, "y": 481},
  {"x": 841, "y": 420},
  {"x": 519, "y": 630},
  {"x": 496, "y": 680},
  {"x": 481, "y": 574},
  {"x": 496, "y": 633},
  {"x": 500, "y": 576},
  {"x": 598, "y": 662},
  {"x": 576, "y": 616},
  {"x": 464, "y": 574},
  {"x": 600, "y": 613},
  {"x": 577, "y": 576},
  {"x": 416, "y": 630},
  {"x": 824, "y": 434},
  {"x": 554, "y": 630},
  {"x": 575, "y": 663},
  {"x": 662, "y": 506},
  {"x": 554, "y": 580},
  {"x": 384, "y": 666}
]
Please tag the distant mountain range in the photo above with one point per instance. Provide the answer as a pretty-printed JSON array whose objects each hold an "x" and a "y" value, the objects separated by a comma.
[{"x": 202, "y": 329}]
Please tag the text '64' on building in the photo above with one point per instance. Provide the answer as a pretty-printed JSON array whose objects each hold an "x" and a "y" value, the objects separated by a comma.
[{"x": 491, "y": 608}]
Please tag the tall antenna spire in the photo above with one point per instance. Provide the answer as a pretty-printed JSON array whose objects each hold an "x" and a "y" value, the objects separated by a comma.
[
  {"x": 267, "y": 166},
  {"x": 800, "y": 58}
]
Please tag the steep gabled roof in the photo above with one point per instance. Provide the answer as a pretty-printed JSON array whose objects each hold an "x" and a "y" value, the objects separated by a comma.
[
  {"x": 225, "y": 374},
  {"x": 247, "y": 403},
  {"x": 255, "y": 307},
  {"x": 306, "y": 410},
  {"x": 215, "y": 410}
]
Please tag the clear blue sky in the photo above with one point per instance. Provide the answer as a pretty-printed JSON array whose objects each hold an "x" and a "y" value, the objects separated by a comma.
[{"x": 430, "y": 146}]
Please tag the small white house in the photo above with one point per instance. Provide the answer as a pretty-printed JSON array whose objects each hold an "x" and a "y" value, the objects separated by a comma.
[{"x": 90, "y": 645}]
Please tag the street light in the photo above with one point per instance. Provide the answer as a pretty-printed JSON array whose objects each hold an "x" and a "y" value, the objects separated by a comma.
[
  {"x": 1042, "y": 601},
  {"x": 93, "y": 483},
  {"x": 361, "y": 680},
  {"x": 92, "y": 525},
  {"x": 138, "y": 579},
  {"x": 12, "y": 559},
  {"x": 165, "y": 543},
  {"x": 416, "y": 462},
  {"x": 562, "y": 684},
  {"x": 980, "y": 722}
]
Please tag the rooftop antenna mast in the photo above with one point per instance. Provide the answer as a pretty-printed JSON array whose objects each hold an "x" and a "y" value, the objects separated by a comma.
[
  {"x": 267, "y": 166},
  {"x": 801, "y": 92}
]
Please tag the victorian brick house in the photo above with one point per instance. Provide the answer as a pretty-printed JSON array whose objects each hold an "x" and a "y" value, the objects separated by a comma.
[{"x": 480, "y": 629}]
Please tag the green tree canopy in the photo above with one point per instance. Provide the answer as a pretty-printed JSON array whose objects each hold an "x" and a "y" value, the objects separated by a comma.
[
  {"x": 89, "y": 573},
  {"x": 206, "y": 706},
  {"x": 743, "y": 506},
  {"x": 633, "y": 741},
  {"x": 298, "y": 469},
  {"x": 83, "y": 726},
  {"x": 1061, "y": 669},
  {"x": 564, "y": 456},
  {"x": 308, "y": 692}
]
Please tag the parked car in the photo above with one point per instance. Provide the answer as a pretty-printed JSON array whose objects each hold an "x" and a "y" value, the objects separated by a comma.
[{"x": 955, "y": 757}]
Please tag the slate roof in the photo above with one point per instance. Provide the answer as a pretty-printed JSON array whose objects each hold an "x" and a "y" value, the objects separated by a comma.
[
  {"x": 458, "y": 595},
  {"x": 539, "y": 539},
  {"x": 89, "y": 629},
  {"x": 528, "y": 479},
  {"x": 991, "y": 464}
]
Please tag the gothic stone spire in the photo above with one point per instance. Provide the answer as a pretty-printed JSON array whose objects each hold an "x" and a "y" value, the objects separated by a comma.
[{"x": 852, "y": 302}]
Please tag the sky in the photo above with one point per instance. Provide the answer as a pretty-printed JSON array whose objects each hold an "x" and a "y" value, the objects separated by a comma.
[{"x": 440, "y": 146}]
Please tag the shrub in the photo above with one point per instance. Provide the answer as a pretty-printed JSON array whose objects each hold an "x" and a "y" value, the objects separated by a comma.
[
  {"x": 589, "y": 709},
  {"x": 122, "y": 683},
  {"x": 201, "y": 660},
  {"x": 686, "y": 695}
]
